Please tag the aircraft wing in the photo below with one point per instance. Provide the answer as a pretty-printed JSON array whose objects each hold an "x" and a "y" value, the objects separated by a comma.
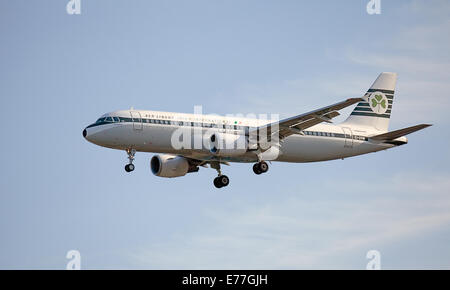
[
  {"x": 296, "y": 124},
  {"x": 399, "y": 133}
]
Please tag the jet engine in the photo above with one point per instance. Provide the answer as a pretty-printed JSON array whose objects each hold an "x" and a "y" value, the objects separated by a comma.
[{"x": 166, "y": 165}]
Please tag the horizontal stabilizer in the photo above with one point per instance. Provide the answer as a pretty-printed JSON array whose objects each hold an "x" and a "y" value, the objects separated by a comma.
[{"x": 399, "y": 133}]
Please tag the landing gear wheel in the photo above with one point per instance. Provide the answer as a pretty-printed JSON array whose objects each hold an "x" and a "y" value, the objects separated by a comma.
[
  {"x": 263, "y": 166},
  {"x": 260, "y": 167},
  {"x": 129, "y": 167},
  {"x": 221, "y": 181},
  {"x": 217, "y": 183},
  {"x": 256, "y": 169},
  {"x": 224, "y": 180}
]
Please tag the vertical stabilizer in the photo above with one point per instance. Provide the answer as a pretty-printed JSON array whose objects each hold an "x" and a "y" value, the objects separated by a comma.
[{"x": 376, "y": 108}]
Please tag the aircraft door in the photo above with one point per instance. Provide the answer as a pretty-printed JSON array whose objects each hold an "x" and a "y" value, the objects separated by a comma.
[
  {"x": 137, "y": 120},
  {"x": 348, "y": 135}
]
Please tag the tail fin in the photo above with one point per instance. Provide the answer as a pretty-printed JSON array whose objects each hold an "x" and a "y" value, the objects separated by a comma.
[{"x": 376, "y": 108}]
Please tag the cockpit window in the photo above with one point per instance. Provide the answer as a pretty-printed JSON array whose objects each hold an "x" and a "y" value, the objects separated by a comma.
[
  {"x": 109, "y": 119},
  {"x": 116, "y": 119}
]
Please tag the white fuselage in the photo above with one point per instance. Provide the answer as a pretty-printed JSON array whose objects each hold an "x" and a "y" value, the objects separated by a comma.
[{"x": 153, "y": 131}]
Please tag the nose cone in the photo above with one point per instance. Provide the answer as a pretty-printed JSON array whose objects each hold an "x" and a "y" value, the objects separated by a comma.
[{"x": 95, "y": 135}]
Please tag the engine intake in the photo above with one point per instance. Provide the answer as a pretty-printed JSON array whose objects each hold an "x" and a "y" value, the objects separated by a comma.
[{"x": 166, "y": 165}]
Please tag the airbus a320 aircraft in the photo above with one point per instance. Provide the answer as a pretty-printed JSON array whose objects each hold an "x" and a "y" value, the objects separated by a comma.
[{"x": 214, "y": 140}]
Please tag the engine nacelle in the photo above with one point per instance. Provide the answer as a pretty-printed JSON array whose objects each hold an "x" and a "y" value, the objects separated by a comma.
[
  {"x": 228, "y": 145},
  {"x": 166, "y": 165}
]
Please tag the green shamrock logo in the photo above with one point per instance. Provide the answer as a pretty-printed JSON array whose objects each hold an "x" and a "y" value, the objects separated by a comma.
[{"x": 378, "y": 103}]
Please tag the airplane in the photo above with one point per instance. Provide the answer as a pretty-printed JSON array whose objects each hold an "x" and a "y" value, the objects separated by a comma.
[{"x": 186, "y": 142}]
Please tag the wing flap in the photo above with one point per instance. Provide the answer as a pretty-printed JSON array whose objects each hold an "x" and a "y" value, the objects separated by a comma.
[
  {"x": 290, "y": 125},
  {"x": 296, "y": 129}
]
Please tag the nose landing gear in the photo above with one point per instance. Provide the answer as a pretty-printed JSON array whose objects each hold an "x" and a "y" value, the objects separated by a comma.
[
  {"x": 130, "y": 166},
  {"x": 260, "y": 167}
]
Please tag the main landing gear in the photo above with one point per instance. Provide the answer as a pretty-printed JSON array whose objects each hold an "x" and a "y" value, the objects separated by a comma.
[
  {"x": 221, "y": 180},
  {"x": 130, "y": 166},
  {"x": 260, "y": 167}
]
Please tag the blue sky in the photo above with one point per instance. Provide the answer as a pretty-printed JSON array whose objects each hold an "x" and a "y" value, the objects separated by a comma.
[{"x": 60, "y": 72}]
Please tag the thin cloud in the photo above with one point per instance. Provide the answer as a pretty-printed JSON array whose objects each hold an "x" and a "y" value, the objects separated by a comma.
[{"x": 294, "y": 233}]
